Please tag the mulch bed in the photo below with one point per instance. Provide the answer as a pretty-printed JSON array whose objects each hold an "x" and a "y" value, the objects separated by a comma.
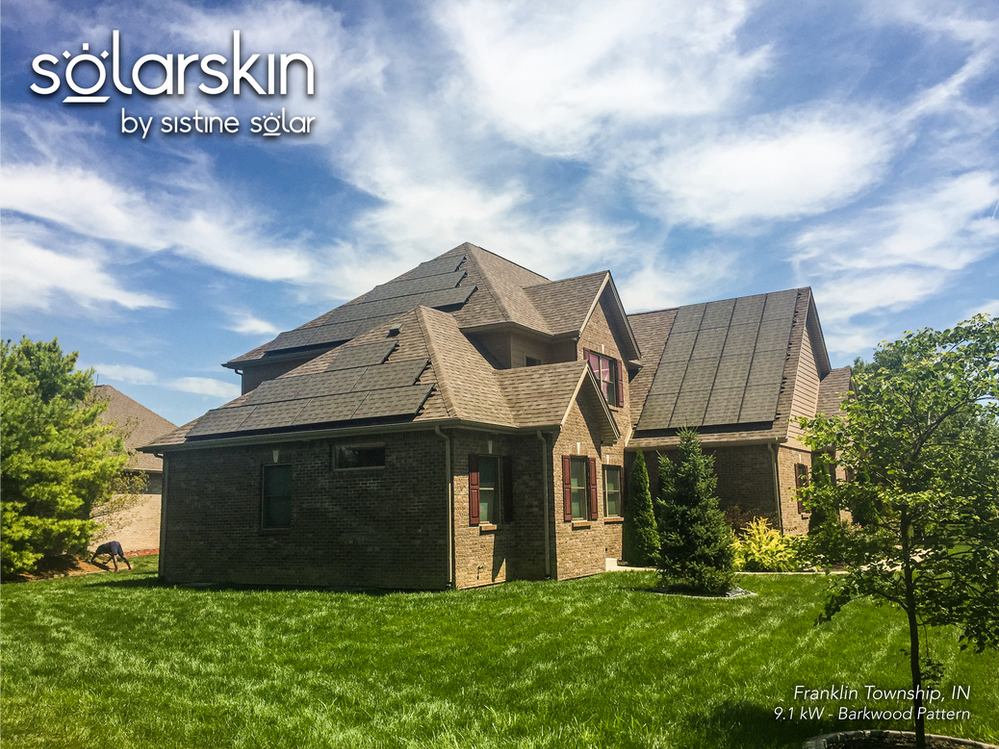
[
  {"x": 889, "y": 740},
  {"x": 67, "y": 565}
]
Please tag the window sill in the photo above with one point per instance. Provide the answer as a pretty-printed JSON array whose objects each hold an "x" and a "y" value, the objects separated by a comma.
[
  {"x": 613, "y": 519},
  {"x": 581, "y": 524},
  {"x": 487, "y": 528}
]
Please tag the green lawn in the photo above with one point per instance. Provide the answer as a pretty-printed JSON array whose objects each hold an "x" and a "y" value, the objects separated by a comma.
[{"x": 116, "y": 660}]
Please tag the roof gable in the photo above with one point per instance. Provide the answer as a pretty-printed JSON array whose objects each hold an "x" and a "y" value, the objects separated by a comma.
[{"x": 136, "y": 423}]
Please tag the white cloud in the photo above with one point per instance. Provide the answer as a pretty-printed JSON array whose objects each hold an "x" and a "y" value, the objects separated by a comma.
[
  {"x": 33, "y": 277},
  {"x": 205, "y": 386},
  {"x": 774, "y": 168},
  {"x": 247, "y": 324},
  {"x": 126, "y": 373},
  {"x": 556, "y": 76}
]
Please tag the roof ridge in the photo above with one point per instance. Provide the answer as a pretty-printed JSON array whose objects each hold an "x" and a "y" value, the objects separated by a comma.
[{"x": 429, "y": 342}]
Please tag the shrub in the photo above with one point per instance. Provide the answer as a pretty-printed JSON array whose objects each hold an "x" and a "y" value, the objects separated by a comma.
[
  {"x": 760, "y": 548},
  {"x": 640, "y": 537}
]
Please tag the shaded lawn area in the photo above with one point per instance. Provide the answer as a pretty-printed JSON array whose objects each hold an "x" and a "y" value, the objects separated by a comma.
[{"x": 117, "y": 660}]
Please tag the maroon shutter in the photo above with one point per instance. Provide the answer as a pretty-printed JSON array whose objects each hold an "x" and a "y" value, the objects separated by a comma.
[
  {"x": 592, "y": 479},
  {"x": 507, "y": 488},
  {"x": 473, "y": 489},
  {"x": 567, "y": 488},
  {"x": 620, "y": 385}
]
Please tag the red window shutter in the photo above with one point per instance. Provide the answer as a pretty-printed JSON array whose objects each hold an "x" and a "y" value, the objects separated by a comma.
[
  {"x": 473, "y": 489},
  {"x": 620, "y": 386},
  {"x": 567, "y": 488},
  {"x": 592, "y": 479},
  {"x": 507, "y": 488}
]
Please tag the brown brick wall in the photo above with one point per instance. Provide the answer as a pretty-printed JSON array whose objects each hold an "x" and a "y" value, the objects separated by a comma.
[
  {"x": 795, "y": 521},
  {"x": 582, "y": 547},
  {"x": 374, "y": 527},
  {"x": 745, "y": 477}
]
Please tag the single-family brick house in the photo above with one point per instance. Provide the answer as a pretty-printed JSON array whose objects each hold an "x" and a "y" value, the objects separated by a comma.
[{"x": 469, "y": 423}]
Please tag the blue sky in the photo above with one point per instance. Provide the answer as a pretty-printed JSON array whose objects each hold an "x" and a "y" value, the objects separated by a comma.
[{"x": 698, "y": 150}]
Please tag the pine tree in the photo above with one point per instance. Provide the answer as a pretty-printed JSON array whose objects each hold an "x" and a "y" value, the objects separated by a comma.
[
  {"x": 640, "y": 539},
  {"x": 58, "y": 459},
  {"x": 697, "y": 551}
]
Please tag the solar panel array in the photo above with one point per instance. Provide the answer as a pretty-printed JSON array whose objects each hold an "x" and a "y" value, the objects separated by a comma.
[
  {"x": 357, "y": 385},
  {"x": 723, "y": 363},
  {"x": 431, "y": 284}
]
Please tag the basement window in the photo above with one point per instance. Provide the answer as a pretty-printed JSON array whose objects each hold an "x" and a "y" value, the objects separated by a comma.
[{"x": 359, "y": 456}]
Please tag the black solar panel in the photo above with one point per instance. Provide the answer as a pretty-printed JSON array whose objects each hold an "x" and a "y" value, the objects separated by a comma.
[
  {"x": 329, "y": 408},
  {"x": 272, "y": 415},
  {"x": 330, "y": 383},
  {"x": 733, "y": 371},
  {"x": 717, "y": 314},
  {"x": 759, "y": 404},
  {"x": 281, "y": 389},
  {"x": 689, "y": 409},
  {"x": 437, "y": 266},
  {"x": 414, "y": 286},
  {"x": 679, "y": 346},
  {"x": 292, "y": 339},
  {"x": 362, "y": 356},
  {"x": 669, "y": 378},
  {"x": 773, "y": 336},
  {"x": 335, "y": 333},
  {"x": 748, "y": 310},
  {"x": 709, "y": 343},
  {"x": 448, "y": 297},
  {"x": 220, "y": 421},
  {"x": 688, "y": 319},
  {"x": 780, "y": 305},
  {"x": 741, "y": 339},
  {"x": 768, "y": 367},
  {"x": 723, "y": 406},
  {"x": 403, "y": 401},
  {"x": 657, "y": 411},
  {"x": 394, "y": 375},
  {"x": 700, "y": 374}
]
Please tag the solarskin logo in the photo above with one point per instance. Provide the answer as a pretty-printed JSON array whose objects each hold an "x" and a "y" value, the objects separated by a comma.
[{"x": 86, "y": 74}]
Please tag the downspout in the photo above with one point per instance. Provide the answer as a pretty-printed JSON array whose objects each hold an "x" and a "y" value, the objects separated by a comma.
[
  {"x": 544, "y": 501},
  {"x": 780, "y": 510},
  {"x": 450, "y": 506},
  {"x": 163, "y": 515}
]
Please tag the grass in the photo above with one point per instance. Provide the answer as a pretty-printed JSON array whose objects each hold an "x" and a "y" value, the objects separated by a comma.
[{"x": 117, "y": 660}]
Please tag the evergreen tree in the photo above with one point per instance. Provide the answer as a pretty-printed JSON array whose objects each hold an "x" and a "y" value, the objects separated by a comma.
[
  {"x": 640, "y": 539},
  {"x": 57, "y": 459},
  {"x": 697, "y": 550}
]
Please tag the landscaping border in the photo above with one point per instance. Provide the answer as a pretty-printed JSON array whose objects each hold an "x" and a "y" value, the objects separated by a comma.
[{"x": 859, "y": 739}]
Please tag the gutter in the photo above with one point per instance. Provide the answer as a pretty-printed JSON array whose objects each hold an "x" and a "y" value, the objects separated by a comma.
[
  {"x": 452, "y": 563},
  {"x": 544, "y": 501},
  {"x": 780, "y": 510}
]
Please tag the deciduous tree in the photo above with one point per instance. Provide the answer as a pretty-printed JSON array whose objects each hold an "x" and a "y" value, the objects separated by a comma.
[{"x": 918, "y": 439}]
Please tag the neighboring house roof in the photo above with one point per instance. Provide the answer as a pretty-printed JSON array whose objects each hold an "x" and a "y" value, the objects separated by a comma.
[
  {"x": 139, "y": 425},
  {"x": 833, "y": 390}
]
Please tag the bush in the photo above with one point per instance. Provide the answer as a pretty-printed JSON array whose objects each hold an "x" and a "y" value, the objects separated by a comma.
[
  {"x": 640, "y": 537},
  {"x": 760, "y": 548}
]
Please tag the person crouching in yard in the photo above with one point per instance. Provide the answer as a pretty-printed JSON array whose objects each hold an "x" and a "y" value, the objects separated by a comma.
[{"x": 112, "y": 549}]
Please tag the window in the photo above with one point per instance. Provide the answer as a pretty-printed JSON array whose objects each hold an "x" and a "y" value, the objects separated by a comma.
[
  {"x": 612, "y": 490},
  {"x": 359, "y": 456},
  {"x": 608, "y": 374},
  {"x": 579, "y": 487},
  {"x": 277, "y": 497},
  {"x": 532, "y": 362},
  {"x": 490, "y": 489}
]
